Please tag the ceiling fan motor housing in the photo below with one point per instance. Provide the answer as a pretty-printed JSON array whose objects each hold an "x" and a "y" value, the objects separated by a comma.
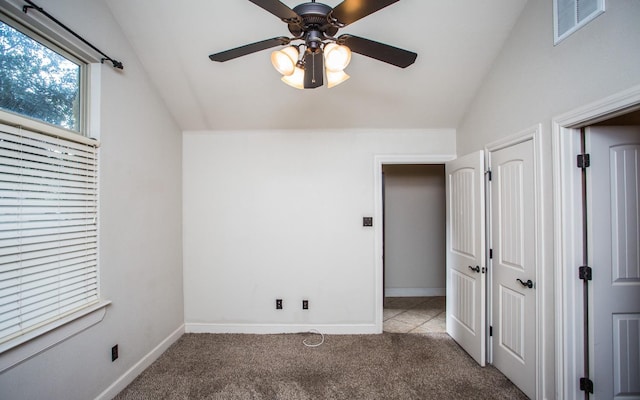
[{"x": 315, "y": 17}]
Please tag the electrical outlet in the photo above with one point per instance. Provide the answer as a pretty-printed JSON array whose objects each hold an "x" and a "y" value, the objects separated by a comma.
[
  {"x": 367, "y": 221},
  {"x": 114, "y": 353},
  {"x": 278, "y": 304},
  {"x": 305, "y": 304}
]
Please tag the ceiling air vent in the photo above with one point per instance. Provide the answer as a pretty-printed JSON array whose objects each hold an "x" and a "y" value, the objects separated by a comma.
[{"x": 571, "y": 15}]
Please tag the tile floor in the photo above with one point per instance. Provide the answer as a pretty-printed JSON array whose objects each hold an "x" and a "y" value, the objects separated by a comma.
[{"x": 414, "y": 314}]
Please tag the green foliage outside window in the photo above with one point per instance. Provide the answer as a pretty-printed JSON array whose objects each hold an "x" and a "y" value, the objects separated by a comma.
[{"x": 37, "y": 82}]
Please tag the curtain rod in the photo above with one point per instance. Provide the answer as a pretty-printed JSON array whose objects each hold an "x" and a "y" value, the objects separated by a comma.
[{"x": 32, "y": 5}]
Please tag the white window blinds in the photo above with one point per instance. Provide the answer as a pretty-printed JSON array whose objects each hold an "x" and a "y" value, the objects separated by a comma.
[{"x": 48, "y": 229}]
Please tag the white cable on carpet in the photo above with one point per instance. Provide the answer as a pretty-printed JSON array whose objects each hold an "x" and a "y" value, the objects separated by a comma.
[{"x": 317, "y": 344}]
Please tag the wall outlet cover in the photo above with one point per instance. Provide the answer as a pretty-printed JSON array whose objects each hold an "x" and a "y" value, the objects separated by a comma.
[{"x": 114, "y": 353}]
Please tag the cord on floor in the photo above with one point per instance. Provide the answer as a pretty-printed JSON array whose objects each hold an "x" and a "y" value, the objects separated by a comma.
[{"x": 315, "y": 344}]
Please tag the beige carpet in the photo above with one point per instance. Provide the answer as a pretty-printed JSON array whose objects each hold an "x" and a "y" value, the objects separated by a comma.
[{"x": 387, "y": 366}]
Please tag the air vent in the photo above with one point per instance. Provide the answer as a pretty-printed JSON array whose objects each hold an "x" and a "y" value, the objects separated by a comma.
[{"x": 571, "y": 15}]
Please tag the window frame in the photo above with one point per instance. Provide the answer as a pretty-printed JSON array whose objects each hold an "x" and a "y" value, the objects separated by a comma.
[
  {"x": 16, "y": 350},
  {"x": 83, "y": 81}
]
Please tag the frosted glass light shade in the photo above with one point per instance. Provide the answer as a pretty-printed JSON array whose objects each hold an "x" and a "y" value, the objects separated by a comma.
[
  {"x": 336, "y": 57},
  {"x": 296, "y": 79},
  {"x": 335, "y": 78},
  {"x": 284, "y": 61}
]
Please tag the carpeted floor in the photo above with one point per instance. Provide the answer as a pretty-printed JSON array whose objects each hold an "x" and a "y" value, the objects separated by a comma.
[{"x": 387, "y": 366}]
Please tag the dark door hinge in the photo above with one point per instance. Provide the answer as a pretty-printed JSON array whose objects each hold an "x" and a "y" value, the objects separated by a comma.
[
  {"x": 488, "y": 172},
  {"x": 586, "y": 385},
  {"x": 491, "y": 331},
  {"x": 583, "y": 160},
  {"x": 584, "y": 273},
  {"x": 491, "y": 253}
]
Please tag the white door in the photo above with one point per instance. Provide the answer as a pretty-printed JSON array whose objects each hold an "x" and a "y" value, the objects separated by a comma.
[
  {"x": 613, "y": 204},
  {"x": 466, "y": 289},
  {"x": 513, "y": 265}
]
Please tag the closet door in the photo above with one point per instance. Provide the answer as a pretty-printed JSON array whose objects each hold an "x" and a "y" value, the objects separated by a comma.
[{"x": 466, "y": 269}]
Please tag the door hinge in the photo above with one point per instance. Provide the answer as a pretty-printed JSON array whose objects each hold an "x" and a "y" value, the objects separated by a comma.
[
  {"x": 490, "y": 330},
  {"x": 488, "y": 172},
  {"x": 586, "y": 385},
  {"x": 584, "y": 160},
  {"x": 584, "y": 273},
  {"x": 491, "y": 253}
]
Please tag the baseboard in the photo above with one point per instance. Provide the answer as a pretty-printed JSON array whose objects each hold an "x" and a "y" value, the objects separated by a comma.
[
  {"x": 131, "y": 374},
  {"x": 353, "y": 329},
  {"x": 414, "y": 292}
]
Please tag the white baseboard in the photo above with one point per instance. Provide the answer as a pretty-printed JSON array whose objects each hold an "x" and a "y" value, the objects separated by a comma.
[
  {"x": 414, "y": 292},
  {"x": 131, "y": 374},
  {"x": 354, "y": 329}
]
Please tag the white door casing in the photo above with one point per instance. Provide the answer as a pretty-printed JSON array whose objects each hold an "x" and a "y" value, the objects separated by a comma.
[
  {"x": 466, "y": 277},
  {"x": 613, "y": 228},
  {"x": 568, "y": 242},
  {"x": 514, "y": 263}
]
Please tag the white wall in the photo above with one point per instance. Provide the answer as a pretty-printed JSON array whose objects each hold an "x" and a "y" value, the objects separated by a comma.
[
  {"x": 414, "y": 230},
  {"x": 279, "y": 215},
  {"x": 140, "y": 228},
  {"x": 531, "y": 82}
]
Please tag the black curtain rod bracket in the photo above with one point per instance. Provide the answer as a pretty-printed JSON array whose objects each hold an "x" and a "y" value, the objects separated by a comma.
[{"x": 33, "y": 6}]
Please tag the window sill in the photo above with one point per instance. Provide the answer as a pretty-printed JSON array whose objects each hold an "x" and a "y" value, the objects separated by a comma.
[{"x": 28, "y": 345}]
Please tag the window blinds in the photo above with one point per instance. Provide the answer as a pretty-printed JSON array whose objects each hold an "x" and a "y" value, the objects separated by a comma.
[{"x": 48, "y": 229}]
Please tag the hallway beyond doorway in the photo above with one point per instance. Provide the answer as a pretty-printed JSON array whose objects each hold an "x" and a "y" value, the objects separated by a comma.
[{"x": 414, "y": 314}]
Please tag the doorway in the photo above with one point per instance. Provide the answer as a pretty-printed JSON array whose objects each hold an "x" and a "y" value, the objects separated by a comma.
[
  {"x": 494, "y": 290},
  {"x": 379, "y": 162},
  {"x": 414, "y": 248},
  {"x": 591, "y": 364}
]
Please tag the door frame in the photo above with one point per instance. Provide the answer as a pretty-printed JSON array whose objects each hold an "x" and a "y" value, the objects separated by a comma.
[
  {"x": 567, "y": 230},
  {"x": 378, "y": 226},
  {"x": 543, "y": 290}
]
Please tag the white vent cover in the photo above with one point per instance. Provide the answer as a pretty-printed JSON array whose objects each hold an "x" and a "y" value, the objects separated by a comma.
[{"x": 571, "y": 15}]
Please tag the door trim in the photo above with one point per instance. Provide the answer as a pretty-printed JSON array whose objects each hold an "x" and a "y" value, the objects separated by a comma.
[
  {"x": 379, "y": 160},
  {"x": 534, "y": 134},
  {"x": 567, "y": 230}
]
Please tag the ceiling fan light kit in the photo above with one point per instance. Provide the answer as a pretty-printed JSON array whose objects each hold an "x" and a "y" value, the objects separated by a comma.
[
  {"x": 335, "y": 78},
  {"x": 336, "y": 57},
  {"x": 287, "y": 62},
  {"x": 296, "y": 79},
  {"x": 304, "y": 66},
  {"x": 284, "y": 61}
]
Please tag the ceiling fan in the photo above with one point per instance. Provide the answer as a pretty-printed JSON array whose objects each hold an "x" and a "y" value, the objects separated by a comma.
[{"x": 316, "y": 24}]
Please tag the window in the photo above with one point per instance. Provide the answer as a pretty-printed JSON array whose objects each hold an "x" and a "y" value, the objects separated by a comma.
[
  {"x": 571, "y": 15},
  {"x": 39, "y": 82},
  {"x": 48, "y": 196}
]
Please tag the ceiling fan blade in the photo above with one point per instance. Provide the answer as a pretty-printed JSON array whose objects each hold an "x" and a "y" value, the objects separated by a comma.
[
  {"x": 349, "y": 11},
  {"x": 380, "y": 51},
  {"x": 280, "y": 10},
  {"x": 249, "y": 48},
  {"x": 313, "y": 70}
]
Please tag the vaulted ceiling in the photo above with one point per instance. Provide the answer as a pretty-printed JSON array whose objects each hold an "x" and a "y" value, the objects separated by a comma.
[{"x": 456, "y": 42}]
